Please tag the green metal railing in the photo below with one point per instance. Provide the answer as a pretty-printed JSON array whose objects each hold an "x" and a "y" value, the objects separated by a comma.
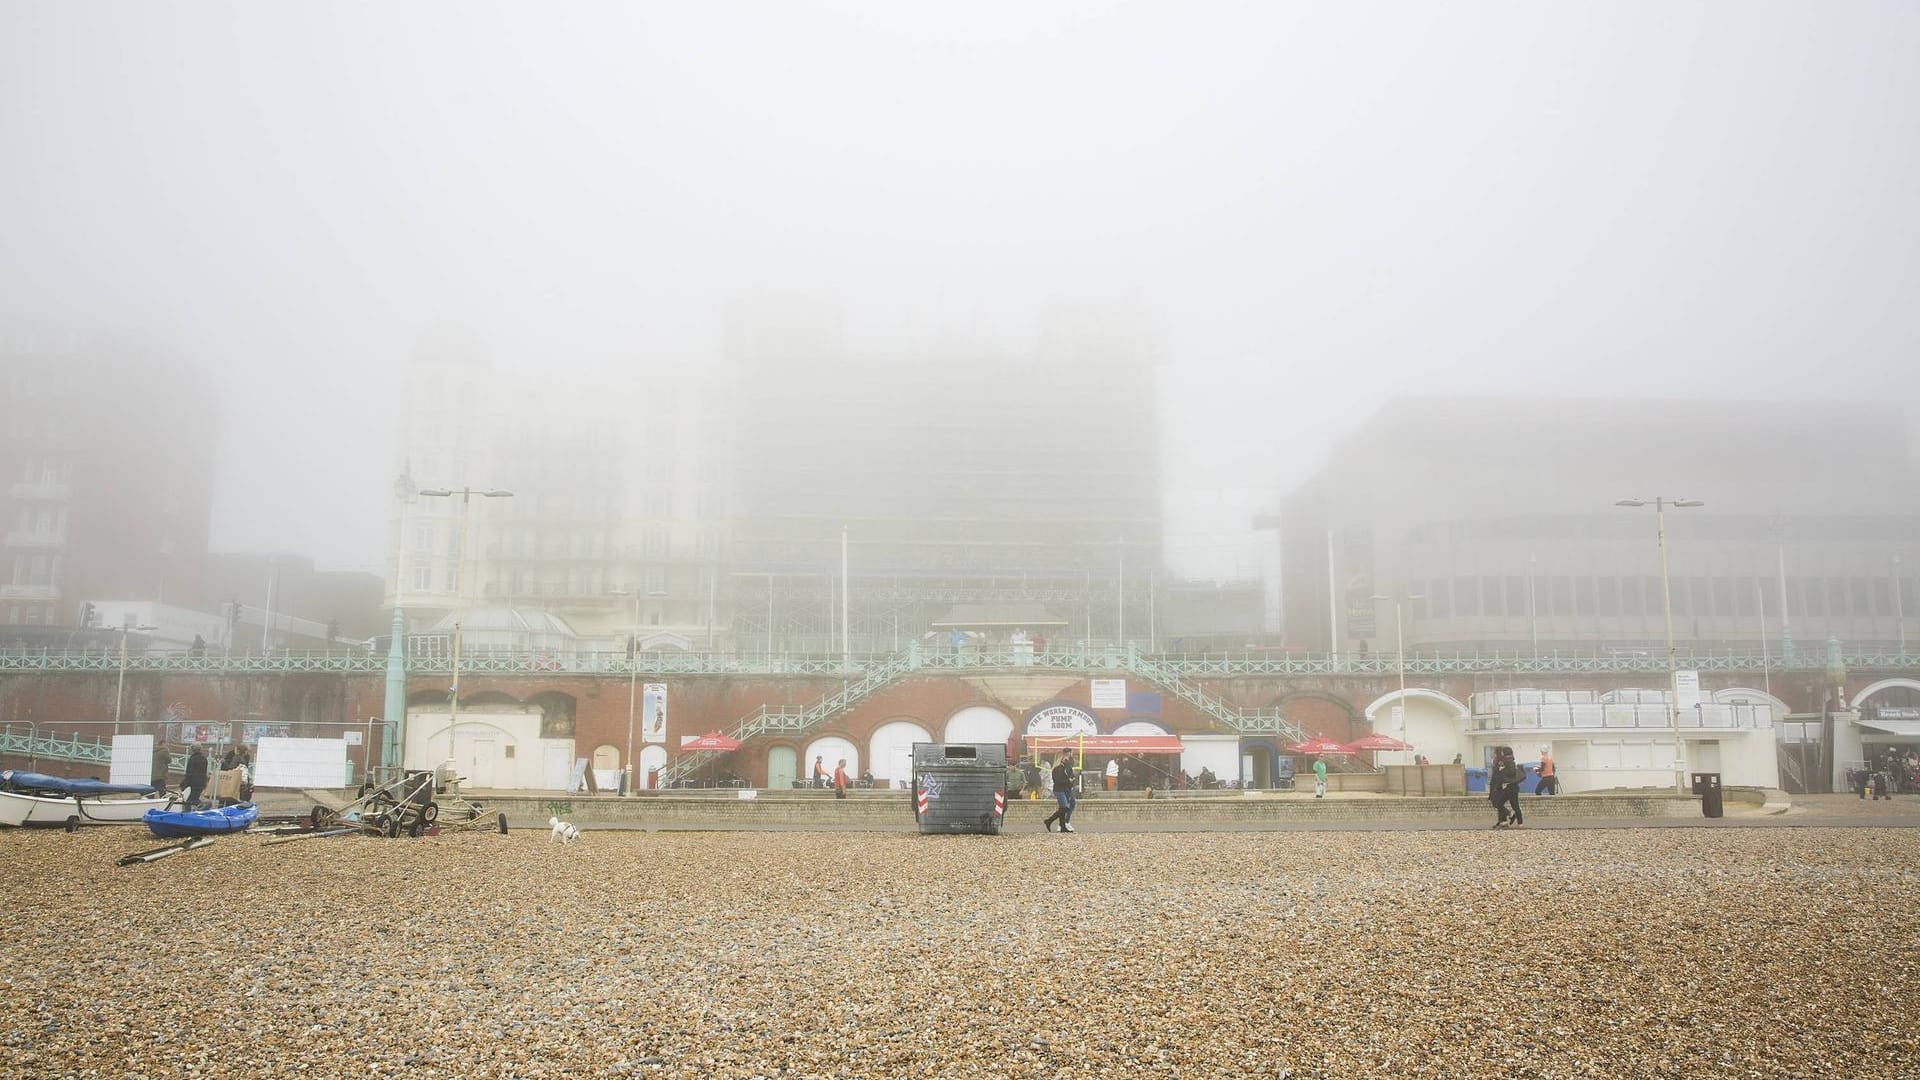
[{"x": 1096, "y": 658}]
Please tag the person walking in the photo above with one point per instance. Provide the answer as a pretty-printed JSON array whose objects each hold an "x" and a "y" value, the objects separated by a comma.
[
  {"x": 196, "y": 778},
  {"x": 1506, "y": 780},
  {"x": 819, "y": 771},
  {"x": 840, "y": 779},
  {"x": 1319, "y": 778},
  {"x": 1549, "y": 780},
  {"x": 1063, "y": 798},
  {"x": 162, "y": 763}
]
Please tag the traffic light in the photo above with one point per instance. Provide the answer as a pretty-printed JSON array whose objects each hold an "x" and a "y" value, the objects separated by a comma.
[{"x": 86, "y": 613}]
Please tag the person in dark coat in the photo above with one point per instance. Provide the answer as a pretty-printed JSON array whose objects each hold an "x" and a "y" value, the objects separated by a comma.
[
  {"x": 1063, "y": 796},
  {"x": 162, "y": 762},
  {"x": 1505, "y": 780},
  {"x": 196, "y": 779}
]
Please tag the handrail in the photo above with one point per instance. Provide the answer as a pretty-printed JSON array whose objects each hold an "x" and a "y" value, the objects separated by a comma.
[{"x": 1078, "y": 658}]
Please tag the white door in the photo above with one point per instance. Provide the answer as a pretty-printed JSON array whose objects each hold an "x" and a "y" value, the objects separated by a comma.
[
  {"x": 479, "y": 770},
  {"x": 557, "y": 768}
]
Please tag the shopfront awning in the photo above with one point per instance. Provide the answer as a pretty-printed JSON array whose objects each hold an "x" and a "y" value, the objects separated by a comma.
[
  {"x": 1108, "y": 744},
  {"x": 1906, "y": 729}
]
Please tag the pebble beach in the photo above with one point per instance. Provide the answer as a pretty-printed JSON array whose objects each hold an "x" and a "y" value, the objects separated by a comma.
[{"x": 1616, "y": 953}]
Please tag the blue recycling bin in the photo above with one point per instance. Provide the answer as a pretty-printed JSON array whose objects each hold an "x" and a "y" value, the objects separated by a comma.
[{"x": 1476, "y": 781}]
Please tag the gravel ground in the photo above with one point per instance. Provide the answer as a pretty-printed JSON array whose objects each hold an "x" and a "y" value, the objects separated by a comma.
[{"x": 1617, "y": 954}]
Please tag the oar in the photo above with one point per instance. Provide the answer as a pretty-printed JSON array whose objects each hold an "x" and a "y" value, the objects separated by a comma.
[{"x": 157, "y": 854}]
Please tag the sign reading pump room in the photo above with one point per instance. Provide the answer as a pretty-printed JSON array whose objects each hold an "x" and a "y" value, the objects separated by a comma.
[{"x": 1062, "y": 720}]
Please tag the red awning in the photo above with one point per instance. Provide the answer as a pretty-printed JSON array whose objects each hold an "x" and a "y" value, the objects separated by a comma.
[
  {"x": 712, "y": 740},
  {"x": 1108, "y": 744}
]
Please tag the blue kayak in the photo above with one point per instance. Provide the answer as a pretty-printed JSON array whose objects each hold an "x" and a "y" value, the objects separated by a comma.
[{"x": 210, "y": 822}]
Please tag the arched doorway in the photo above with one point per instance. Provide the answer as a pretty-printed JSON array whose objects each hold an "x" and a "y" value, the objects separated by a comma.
[
  {"x": 652, "y": 760},
  {"x": 606, "y": 767},
  {"x": 890, "y": 751},
  {"x": 782, "y": 768},
  {"x": 830, "y": 750},
  {"x": 1433, "y": 723},
  {"x": 979, "y": 724}
]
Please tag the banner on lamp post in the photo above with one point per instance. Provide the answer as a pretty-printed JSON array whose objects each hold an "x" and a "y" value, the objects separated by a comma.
[{"x": 653, "y": 713}]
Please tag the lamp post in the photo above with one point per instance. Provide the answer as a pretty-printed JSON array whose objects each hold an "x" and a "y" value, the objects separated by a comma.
[
  {"x": 1899, "y": 613},
  {"x": 1400, "y": 653},
  {"x": 466, "y": 495},
  {"x": 633, "y": 674},
  {"x": 120, "y": 690},
  {"x": 1660, "y": 504}
]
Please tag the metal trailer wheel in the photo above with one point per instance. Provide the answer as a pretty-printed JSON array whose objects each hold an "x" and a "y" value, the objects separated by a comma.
[
  {"x": 414, "y": 830},
  {"x": 73, "y": 823},
  {"x": 431, "y": 814},
  {"x": 321, "y": 815},
  {"x": 392, "y": 827}
]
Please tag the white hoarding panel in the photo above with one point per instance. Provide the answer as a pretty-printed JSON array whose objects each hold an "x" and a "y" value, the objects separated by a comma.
[
  {"x": 132, "y": 760},
  {"x": 301, "y": 763}
]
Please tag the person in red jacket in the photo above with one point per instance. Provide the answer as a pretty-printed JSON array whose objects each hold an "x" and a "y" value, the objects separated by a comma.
[{"x": 840, "y": 779}]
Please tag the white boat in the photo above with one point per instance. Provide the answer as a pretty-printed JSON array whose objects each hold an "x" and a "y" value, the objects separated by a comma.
[{"x": 37, "y": 799}]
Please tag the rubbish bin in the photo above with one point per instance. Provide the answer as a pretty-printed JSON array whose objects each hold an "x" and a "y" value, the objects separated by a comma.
[
  {"x": 1707, "y": 786},
  {"x": 1476, "y": 781},
  {"x": 959, "y": 787}
]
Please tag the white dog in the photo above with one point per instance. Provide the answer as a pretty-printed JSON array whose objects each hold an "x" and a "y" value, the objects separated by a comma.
[{"x": 563, "y": 831}]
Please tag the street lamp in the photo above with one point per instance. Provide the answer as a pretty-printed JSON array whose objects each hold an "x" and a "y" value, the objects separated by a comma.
[
  {"x": 1899, "y": 613},
  {"x": 120, "y": 690},
  {"x": 1400, "y": 651},
  {"x": 633, "y": 674},
  {"x": 466, "y": 495},
  {"x": 1660, "y": 504}
]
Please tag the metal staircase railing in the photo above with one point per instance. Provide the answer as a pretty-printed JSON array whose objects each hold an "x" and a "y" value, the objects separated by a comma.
[
  {"x": 881, "y": 672},
  {"x": 794, "y": 720},
  {"x": 93, "y": 749},
  {"x": 1257, "y": 722}
]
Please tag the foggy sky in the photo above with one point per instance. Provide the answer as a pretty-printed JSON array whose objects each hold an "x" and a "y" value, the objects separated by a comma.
[{"x": 1319, "y": 204}]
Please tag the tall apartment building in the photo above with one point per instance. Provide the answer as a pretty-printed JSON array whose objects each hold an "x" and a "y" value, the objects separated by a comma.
[
  {"x": 1499, "y": 515},
  {"x": 618, "y": 496},
  {"x": 977, "y": 487},
  {"x": 106, "y": 477}
]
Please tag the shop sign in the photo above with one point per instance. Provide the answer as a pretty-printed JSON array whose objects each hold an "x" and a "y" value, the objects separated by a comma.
[{"x": 1062, "y": 720}]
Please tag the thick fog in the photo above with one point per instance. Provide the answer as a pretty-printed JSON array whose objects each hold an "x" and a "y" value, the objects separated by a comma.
[{"x": 1318, "y": 205}]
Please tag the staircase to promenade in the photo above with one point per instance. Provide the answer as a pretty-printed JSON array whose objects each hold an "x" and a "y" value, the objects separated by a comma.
[{"x": 879, "y": 673}]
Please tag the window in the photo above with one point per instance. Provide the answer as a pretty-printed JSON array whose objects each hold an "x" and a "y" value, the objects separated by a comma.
[
  {"x": 1583, "y": 595},
  {"x": 1490, "y": 595},
  {"x": 1517, "y": 597},
  {"x": 1563, "y": 596},
  {"x": 1746, "y": 595},
  {"x": 1466, "y": 596},
  {"x": 1722, "y": 596},
  {"x": 423, "y": 538},
  {"x": 423, "y": 578},
  {"x": 1440, "y": 596},
  {"x": 655, "y": 543},
  {"x": 453, "y": 578},
  {"x": 1608, "y": 598},
  {"x": 1857, "y": 596},
  {"x": 1882, "y": 597},
  {"x": 1632, "y": 600},
  {"x": 654, "y": 580},
  {"x": 1836, "y": 596}
]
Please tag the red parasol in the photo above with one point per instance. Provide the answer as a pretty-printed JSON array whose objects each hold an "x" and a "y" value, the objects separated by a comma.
[
  {"x": 1320, "y": 746},
  {"x": 1378, "y": 741},
  {"x": 712, "y": 740}
]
